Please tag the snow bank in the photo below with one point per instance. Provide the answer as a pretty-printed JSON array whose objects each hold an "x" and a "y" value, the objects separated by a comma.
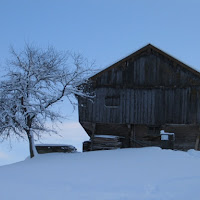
[{"x": 123, "y": 174}]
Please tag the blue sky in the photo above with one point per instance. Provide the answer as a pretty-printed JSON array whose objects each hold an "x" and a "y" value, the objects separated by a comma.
[{"x": 101, "y": 30}]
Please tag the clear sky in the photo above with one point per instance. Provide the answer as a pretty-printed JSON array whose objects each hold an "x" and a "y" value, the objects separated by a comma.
[{"x": 101, "y": 30}]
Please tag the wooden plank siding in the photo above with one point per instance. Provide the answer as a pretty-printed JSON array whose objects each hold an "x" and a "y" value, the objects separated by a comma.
[
  {"x": 156, "y": 106},
  {"x": 147, "y": 71},
  {"x": 147, "y": 89}
]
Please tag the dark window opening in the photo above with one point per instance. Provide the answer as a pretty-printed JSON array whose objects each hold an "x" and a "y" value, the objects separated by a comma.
[{"x": 112, "y": 101}]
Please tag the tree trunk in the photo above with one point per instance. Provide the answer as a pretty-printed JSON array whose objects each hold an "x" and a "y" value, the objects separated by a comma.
[{"x": 32, "y": 149}]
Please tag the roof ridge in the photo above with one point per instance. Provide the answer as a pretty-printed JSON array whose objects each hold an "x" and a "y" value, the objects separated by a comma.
[{"x": 144, "y": 48}]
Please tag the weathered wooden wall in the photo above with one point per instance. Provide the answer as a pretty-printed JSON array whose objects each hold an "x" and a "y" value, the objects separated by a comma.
[
  {"x": 150, "y": 69},
  {"x": 185, "y": 135},
  {"x": 148, "y": 89},
  {"x": 144, "y": 106}
]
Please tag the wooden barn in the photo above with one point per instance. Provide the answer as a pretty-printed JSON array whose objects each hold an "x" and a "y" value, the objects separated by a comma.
[{"x": 136, "y": 98}]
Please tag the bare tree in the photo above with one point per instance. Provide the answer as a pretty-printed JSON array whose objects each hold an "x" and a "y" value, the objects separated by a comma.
[{"x": 37, "y": 79}]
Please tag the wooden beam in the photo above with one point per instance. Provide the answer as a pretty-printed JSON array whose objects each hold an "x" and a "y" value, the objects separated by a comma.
[
  {"x": 129, "y": 135},
  {"x": 132, "y": 135},
  {"x": 93, "y": 132},
  {"x": 197, "y": 141}
]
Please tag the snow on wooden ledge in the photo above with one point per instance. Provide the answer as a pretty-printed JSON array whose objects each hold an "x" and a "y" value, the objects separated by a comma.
[
  {"x": 106, "y": 136},
  {"x": 54, "y": 145}
]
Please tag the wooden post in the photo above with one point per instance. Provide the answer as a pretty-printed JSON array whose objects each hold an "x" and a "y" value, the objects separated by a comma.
[
  {"x": 134, "y": 138},
  {"x": 132, "y": 135},
  {"x": 93, "y": 132},
  {"x": 129, "y": 135},
  {"x": 197, "y": 141}
]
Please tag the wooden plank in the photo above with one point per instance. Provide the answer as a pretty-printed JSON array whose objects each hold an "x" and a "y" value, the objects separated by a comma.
[
  {"x": 93, "y": 133},
  {"x": 197, "y": 142}
]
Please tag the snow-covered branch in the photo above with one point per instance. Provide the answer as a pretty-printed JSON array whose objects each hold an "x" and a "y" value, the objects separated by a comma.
[{"x": 37, "y": 79}]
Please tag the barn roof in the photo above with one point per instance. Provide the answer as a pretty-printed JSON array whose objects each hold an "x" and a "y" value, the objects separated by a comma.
[{"x": 143, "y": 49}]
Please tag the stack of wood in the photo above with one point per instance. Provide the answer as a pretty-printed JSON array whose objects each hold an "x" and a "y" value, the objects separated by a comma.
[
  {"x": 86, "y": 146},
  {"x": 102, "y": 142},
  {"x": 52, "y": 148}
]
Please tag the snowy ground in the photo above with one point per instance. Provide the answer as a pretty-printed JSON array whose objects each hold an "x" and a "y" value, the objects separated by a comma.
[{"x": 125, "y": 174}]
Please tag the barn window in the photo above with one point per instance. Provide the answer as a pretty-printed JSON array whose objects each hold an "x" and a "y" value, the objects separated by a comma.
[{"x": 112, "y": 101}]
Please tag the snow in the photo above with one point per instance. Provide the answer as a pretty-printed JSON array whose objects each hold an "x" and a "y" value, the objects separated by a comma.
[
  {"x": 107, "y": 136},
  {"x": 124, "y": 174},
  {"x": 165, "y": 135},
  {"x": 55, "y": 145}
]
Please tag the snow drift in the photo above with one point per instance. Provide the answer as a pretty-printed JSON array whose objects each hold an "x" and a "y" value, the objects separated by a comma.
[{"x": 124, "y": 174}]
